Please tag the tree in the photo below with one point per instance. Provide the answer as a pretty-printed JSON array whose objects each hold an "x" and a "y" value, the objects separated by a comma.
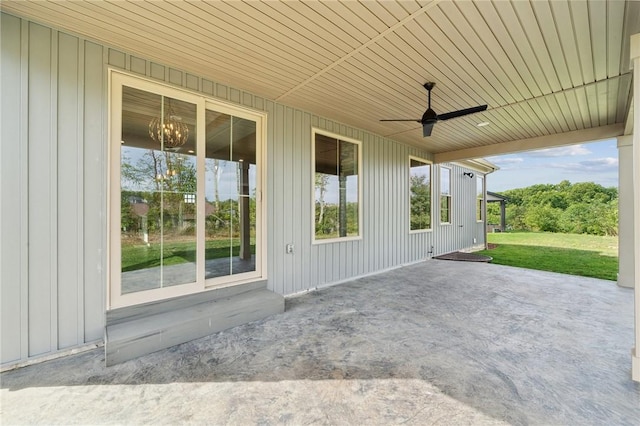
[
  {"x": 585, "y": 207},
  {"x": 166, "y": 182},
  {"x": 542, "y": 218},
  {"x": 515, "y": 217},
  {"x": 493, "y": 213},
  {"x": 215, "y": 169},
  {"x": 420, "y": 191},
  {"x": 321, "y": 182},
  {"x": 589, "y": 192}
]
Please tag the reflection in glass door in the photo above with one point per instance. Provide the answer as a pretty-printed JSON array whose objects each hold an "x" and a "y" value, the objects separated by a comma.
[
  {"x": 158, "y": 184},
  {"x": 230, "y": 195},
  {"x": 184, "y": 207}
]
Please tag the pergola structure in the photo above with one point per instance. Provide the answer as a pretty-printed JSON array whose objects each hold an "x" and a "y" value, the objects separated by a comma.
[
  {"x": 551, "y": 72},
  {"x": 492, "y": 197}
]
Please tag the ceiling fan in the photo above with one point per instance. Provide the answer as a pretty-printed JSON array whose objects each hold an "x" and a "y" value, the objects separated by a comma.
[{"x": 429, "y": 118}]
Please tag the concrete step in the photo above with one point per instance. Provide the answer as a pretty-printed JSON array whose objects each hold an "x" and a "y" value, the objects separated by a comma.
[{"x": 137, "y": 331}]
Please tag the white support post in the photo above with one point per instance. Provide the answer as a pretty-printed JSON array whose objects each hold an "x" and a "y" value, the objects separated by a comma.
[
  {"x": 635, "y": 63},
  {"x": 625, "y": 212}
]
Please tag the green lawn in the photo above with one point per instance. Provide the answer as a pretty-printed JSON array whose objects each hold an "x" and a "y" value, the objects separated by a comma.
[
  {"x": 141, "y": 256},
  {"x": 585, "y": 255}
]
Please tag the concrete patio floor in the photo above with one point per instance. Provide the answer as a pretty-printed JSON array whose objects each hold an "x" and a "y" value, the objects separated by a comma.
[{"x": 438, "y": 342}]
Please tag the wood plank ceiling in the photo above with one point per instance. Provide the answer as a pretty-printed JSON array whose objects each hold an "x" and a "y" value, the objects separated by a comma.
[{"x": 543, "y": 67}]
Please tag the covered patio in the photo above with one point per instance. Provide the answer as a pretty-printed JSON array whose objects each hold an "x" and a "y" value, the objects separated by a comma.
[{"x": 422, "y": 344}]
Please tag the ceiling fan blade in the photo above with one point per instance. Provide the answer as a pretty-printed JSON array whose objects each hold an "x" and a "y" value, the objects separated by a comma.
[
  {"x": 417, "y": 120},
  {"x": 426, "y": 129},
  {"x": 460, "y": 113}
]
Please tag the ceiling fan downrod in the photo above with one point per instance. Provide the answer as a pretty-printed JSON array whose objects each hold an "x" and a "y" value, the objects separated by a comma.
[{"x": 429, "y": 86}]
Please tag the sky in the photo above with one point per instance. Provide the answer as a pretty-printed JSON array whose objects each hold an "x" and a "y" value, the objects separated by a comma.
[{"x": 589, "y": 162}]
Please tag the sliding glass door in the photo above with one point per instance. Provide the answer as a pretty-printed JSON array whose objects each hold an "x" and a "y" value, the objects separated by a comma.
[{"x": 184, "y": 199}]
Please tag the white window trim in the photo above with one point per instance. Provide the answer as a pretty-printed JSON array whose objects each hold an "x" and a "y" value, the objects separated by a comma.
[
  {"x": 483, "y": 209},
  {"x": 314, "y": 241},
  {"x": 430, "y": 163},
  {"x": 440, "y": 195},
  {"x": 115, "y": 299}
]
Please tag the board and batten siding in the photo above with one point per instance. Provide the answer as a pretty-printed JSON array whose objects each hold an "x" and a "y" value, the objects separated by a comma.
[
  {"x": 53, "y": 187},
  {"x": 54, "y": 191}
]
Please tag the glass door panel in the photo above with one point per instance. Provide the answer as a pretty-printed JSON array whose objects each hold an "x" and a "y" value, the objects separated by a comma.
[
  {"x": 230, "y": 190},
  {"x": 158, "y": 182},
  {"x": 184, "y": 182}
]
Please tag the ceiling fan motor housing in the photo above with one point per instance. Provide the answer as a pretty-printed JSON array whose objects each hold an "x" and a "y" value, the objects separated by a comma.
[{"x": 429, "y": 116}]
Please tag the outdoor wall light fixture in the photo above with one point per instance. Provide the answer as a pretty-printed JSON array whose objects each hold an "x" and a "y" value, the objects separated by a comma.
[{"x": 468, "y": 174}]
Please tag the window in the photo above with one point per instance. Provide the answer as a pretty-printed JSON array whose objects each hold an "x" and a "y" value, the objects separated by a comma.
[
  {"x": 445, "y": 195},
  {"x": 336, "y": 202},
  {"x": 419, "y": 194},
  {"x": 185, "y": 174},
  {"x": 480, "y": 199}
]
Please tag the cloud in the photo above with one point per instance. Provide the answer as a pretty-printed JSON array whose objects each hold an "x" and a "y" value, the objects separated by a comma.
[
  {"x": 601, "y": 162},
  {"x": 598, "y": 165},
  {"x": 563, "y": 151},
  {"x": 575, "y": 163},
  {"x": 506, "y": 161}
]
